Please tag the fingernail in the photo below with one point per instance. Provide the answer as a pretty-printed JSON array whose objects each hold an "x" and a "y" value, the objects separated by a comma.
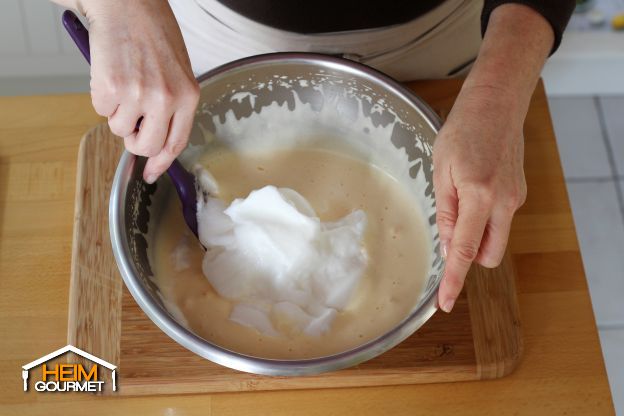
[
  {"x": 151, "y": 178},
  {"x": 444, "y": 248},
  {"x": 448, "y": 305}
]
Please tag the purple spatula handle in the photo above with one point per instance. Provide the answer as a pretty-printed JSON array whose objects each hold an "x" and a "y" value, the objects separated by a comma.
[
  {"x": 183, "y": 181},
  {"x": 78, "y": 33}
]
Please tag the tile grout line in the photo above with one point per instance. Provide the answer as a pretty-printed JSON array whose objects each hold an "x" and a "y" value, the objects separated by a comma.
[
  {"x": 594, "y": 179},
  {"x": 26, "y": 34},
  {"x": 609, "y": 326},
  {"x": 579, "y": 95},
  {"x": 584, "y": 179},
  {"x": 607, "y": 143}
]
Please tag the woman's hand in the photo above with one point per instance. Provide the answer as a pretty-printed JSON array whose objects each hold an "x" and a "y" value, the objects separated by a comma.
[
  {"x": 479, "y": 183},
  {"x": 140, "y": 68},
  {"x": 478, "y": 155}
]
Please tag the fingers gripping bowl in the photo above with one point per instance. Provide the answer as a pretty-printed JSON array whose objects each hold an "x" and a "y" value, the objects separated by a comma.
[{"x": 294, "y": 99}]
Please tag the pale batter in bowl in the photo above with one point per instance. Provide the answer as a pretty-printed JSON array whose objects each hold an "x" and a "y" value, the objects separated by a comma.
[{"x": 335, "y": 185}]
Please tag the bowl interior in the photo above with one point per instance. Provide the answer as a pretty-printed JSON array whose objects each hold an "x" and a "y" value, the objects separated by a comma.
[{"x": 278, "y": 103}]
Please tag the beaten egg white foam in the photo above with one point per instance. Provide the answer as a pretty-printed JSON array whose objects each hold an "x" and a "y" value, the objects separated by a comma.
[{"x": 285, "y": 271}]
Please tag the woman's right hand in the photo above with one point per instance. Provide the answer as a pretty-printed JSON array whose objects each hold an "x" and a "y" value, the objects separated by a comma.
[{"x": 140, "y": 68}]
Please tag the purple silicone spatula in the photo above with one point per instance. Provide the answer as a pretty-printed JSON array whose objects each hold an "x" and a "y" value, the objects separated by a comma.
[{"x": 183, "y": 180}]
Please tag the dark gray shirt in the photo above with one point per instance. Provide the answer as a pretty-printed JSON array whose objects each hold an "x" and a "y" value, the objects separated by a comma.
[{"x": 322, "y": 16}]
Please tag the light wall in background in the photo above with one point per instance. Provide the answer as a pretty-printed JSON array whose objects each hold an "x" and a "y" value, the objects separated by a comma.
[
  {"x": 38, "y": 57},
  {"x": 33, "y": 41},
  {"x": 586, "y": 63}
]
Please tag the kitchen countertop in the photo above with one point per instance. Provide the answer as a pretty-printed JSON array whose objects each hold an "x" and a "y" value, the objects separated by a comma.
[{"x": 561, "y": 372}]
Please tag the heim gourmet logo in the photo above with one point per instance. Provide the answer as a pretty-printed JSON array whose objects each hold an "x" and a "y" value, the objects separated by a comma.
[{"x": 69, "y": 377}]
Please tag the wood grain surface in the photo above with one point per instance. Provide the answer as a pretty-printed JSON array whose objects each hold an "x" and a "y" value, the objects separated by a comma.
[
  {"x": 561, "y": 370},
  {"x": 480, "y": 339},
  {"x": 95, "y": 287}
]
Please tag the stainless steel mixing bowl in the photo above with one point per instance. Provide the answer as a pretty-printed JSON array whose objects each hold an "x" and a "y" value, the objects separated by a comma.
[{"x": 340, "y": 92}]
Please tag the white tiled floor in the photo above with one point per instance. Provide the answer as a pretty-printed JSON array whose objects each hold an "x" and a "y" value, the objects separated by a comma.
[
  {"x": 613, "y": 110},
  {"x": 612, "y": 341},
  {"x": 583, "y": 153},
  {"x": 590, "y": 136},
  {"x": 601, "y": 235}
]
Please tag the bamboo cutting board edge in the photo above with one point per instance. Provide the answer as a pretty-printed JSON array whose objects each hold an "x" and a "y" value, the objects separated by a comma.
[
  {"x": 97, "y": 292},
  {"x": 94, "y": 292}
]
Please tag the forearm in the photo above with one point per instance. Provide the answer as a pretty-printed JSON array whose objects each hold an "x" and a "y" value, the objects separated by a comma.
[{"x": 514, "y": 50}]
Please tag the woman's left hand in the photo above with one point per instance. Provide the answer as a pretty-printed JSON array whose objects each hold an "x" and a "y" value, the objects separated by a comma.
[{"x": 479, "y": 183}]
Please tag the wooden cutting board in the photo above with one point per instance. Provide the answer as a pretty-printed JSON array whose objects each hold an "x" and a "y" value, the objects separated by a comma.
[{"x": 479, "y": 340}]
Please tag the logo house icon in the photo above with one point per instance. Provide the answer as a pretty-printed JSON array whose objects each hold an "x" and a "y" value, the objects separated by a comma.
[{"x": 68, "y": 348}]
